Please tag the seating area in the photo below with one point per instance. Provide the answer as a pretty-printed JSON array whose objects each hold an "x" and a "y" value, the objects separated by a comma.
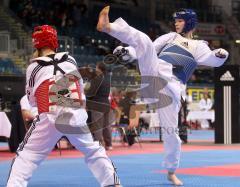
[
  {"x": 236, "y": 7},
  {"x": 202, "y": 76},
  {"x": 78, "y": 21},
  {"x": 88, "y": 60},
  {"x": 211, "y": 14},
  {"x": 7, "y": 67}
]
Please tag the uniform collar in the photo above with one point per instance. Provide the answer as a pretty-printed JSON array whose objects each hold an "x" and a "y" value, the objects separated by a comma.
[{"x": 57, "y": 56}]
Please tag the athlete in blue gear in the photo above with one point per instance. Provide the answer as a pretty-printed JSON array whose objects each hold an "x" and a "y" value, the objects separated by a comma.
[{"x": 173, "y": 57}]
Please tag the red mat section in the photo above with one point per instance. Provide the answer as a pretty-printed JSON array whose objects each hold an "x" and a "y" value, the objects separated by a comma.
[
  {"x": 119, "y": 149},
  {"x": 232, "y": 170}
]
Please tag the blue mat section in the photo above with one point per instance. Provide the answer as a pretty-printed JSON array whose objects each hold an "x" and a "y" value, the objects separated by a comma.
[
  {"x": 201, "y": 135},
  {"x": 192, "y": 135},
  {"x": 134, "y": 171},
  {"x": 3, "y": 144}
]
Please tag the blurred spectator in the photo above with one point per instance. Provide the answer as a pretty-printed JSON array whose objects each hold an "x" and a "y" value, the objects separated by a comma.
[
  {"x": 127, "y": 101},
  {"x": 76, "y": 14},
  {"x": 193, "y": 78},
  {"x": 205, "y": 103},
  {"x": 115, "y": 110},
  {"x": 99, "y": 91},
  {"x": 125, "y": 106},
  {"x": 60, "y": 12},
  {"x": 82, "y": 6}
]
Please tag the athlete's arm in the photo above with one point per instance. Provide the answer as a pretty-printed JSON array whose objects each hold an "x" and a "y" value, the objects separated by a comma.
[{"x": 207, "y": 57}]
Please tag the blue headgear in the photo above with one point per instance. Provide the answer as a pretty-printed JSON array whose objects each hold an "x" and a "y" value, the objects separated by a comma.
[{"x": 190, "y": 18}]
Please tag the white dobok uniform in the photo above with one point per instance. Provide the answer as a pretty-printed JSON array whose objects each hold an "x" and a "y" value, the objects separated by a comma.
[
  {"x": 43, "y": 135},
  {"x": 205, "y": 104},
  {"x": 173, "y": 58}
]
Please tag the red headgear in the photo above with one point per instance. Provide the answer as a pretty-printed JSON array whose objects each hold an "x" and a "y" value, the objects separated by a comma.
[{"x": 45, "y": 36}]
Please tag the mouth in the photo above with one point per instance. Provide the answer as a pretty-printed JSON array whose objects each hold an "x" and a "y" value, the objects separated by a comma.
[{"x": 178, "y": 30}]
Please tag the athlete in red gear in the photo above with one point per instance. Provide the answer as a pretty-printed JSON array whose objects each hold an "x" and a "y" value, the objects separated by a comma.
[{"x": 54, "y": 86}]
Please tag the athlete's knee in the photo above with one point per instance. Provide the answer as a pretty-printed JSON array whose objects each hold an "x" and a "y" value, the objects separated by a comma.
[
  {"x": 171, "y": 136},
  {"x": 169, "y": 131},
  {"x": 93, "y": 151}
]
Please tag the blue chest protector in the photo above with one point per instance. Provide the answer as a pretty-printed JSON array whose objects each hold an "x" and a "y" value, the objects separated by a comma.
[{"x": 183, "y": 62}]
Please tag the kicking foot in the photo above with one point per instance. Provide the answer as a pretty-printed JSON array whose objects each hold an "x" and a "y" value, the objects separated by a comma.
[
  {"x": 173, "y": 178},
  {"x": 103, "y": 20}
]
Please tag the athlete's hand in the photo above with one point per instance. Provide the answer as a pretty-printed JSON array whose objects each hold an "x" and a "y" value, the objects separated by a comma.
[
  {"x": 27, "y": 115},
  {"x": 221, "y": 53},
  {"x": 120, "y": 51},
  {"x": 123, "y": 54}
]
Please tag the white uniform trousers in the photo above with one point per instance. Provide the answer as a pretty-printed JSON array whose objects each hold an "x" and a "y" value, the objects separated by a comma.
[
  {"x": 39, "y": 142},
  {"x": 168, "y": 118},
  {"x": 151, "y": 65}
]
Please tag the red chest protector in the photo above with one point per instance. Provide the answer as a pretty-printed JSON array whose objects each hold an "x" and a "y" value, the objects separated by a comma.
[{"x": 64, "y": 92}]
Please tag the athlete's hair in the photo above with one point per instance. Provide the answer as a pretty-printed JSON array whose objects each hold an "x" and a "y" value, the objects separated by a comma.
[{"x": 102, "y": 67}]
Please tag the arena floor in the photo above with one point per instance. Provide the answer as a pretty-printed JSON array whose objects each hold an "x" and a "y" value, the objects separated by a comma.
[{"x": 203, "y": 164}]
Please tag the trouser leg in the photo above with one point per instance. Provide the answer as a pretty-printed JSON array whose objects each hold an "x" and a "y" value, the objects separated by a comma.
[
  {"x": 38, "y": 142},
  {"x": 96, "y": 159},
  {"x": 98, "y": 122},
  {"x": 107, "y": 131},
  {"x": 168, "y": 117},
  {"x": 103, "y": 132}
]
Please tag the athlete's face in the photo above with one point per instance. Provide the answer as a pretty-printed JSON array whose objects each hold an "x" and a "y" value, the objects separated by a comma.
[{"x": 179, "y": 25}]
